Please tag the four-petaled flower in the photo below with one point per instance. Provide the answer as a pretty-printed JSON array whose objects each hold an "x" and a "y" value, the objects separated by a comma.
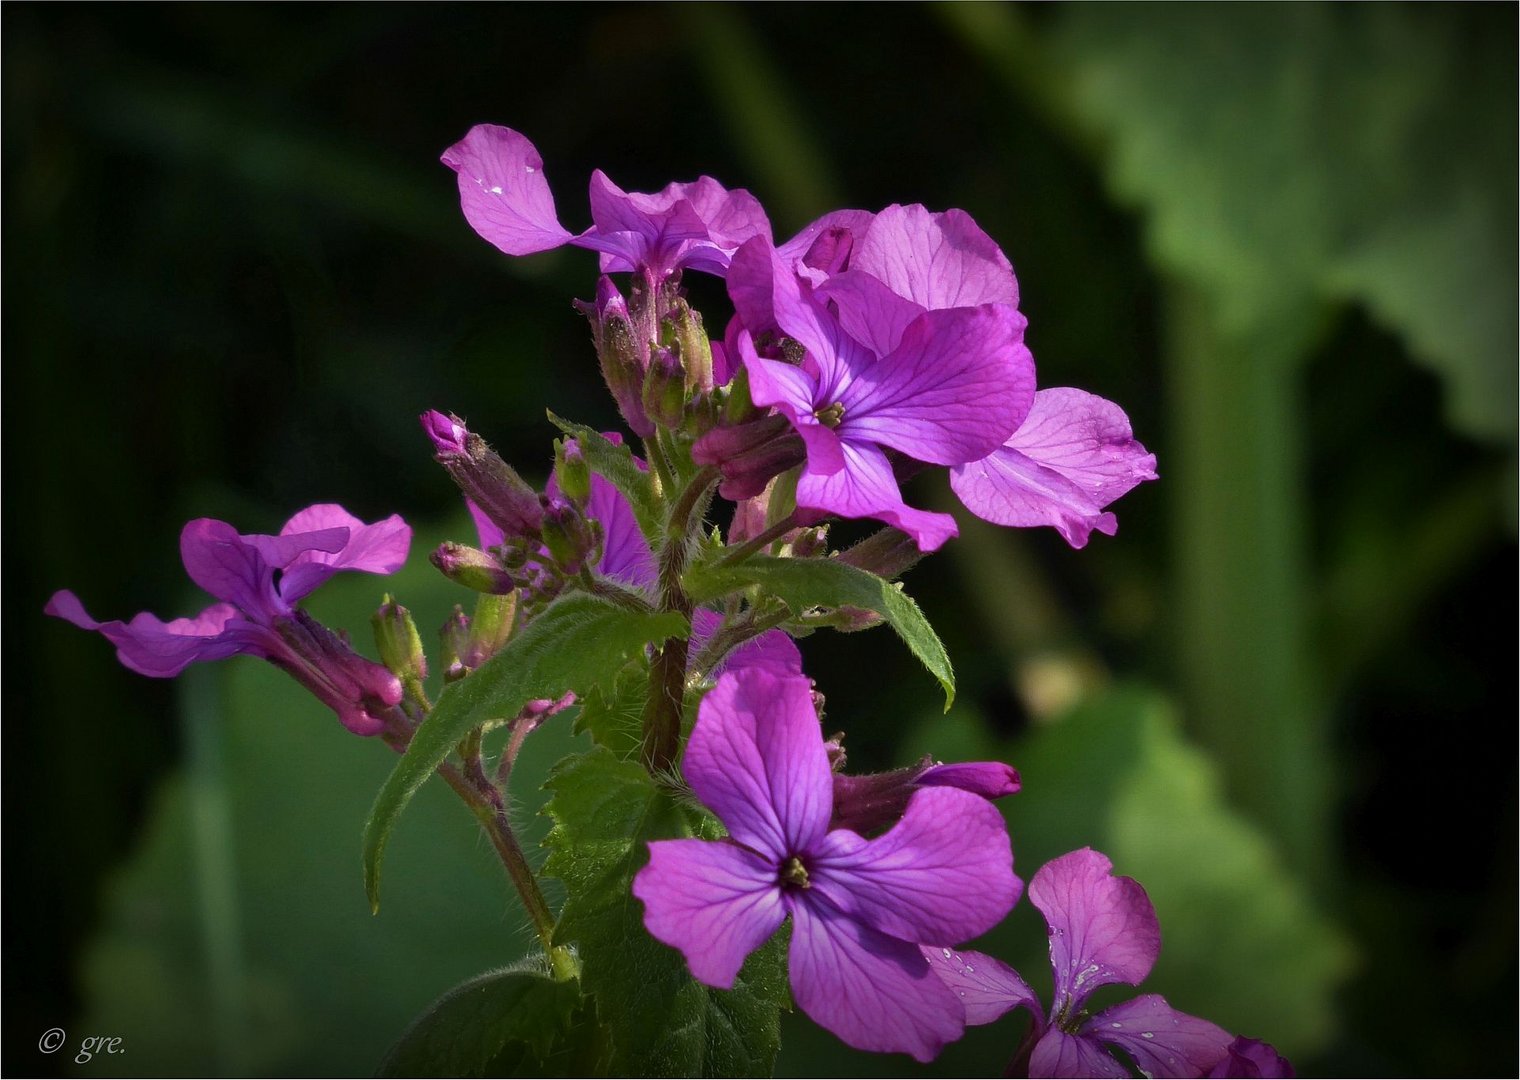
[
  {"x": 1103, "y": 930},
  {"x": 859, "y": 907},
  {"x": 506, "y": 198},
  {"x": 259, "y": 580}
]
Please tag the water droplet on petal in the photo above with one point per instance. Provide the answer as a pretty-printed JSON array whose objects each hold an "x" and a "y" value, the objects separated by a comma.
[
  {"x": 970, "y": 970},
  {"x": 1147, "y": 1034},
  {"x": 947, "y": 953}
]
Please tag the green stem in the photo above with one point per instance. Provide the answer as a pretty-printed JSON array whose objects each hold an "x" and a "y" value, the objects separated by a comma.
[
  {"x": 610, "y": 590},
  {"x": 667, "y": 675},
  {"x": 731, "y": 635},
  {"x": 769, "y": 536}
]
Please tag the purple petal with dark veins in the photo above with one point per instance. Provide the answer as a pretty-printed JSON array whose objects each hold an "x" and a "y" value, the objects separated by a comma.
[
  {"x": 503, "y": 192},
  {"x": 756, "y": 760},
  {"x": 1103, "y": 928},
  {"x": 150, "y": 646},
  {"x": 379, "y": 548},
  {"x": 941, "y": 260},
  {"x": 942, "y": 873},
  {"x": 715, "y": 901},
  {"x": 873, "y": 991},
  {"x": 1058, "y": 1054},
  {"x": 1162, "y": 1041},
  {"x": 1072, "y": 456},
  {"x": 986, "y": 986}
]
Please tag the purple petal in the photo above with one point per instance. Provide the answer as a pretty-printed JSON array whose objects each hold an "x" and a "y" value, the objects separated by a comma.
[
  {"x": 713, "y": 900},
  {"x": 956, "y": 387},
  {"x": 380, "y": 548},
  {"x": 773, "y": 651},
  {"x": 942, "y": 873},
  {"x": 626, "y": 554},
  {"x": 503, "y": 192},
  {"x": 1162, "y": 1041},
  {"x": 875, "y": 992},
  {"x": 1063, "y": 1055},
  {"x": 869, "y": 311},
  {"x": 149, "y": 646},
  {"x": 989, "y": 779},
  {"x": 865, "y": 487},
  {"x": 230, "y": 567},
  {"x": 1103, "y": 928},
  {"x": 1248, "y": 1059},
  {"x": 846, "y": 227},
  {"x": 986, "y": 986},
  {"x": 756, "y": 760},
  {"x": 447, "y": 433},
  {"x": 489, "y": 532},
  {"x": 1072, "y": 456},
  {"x": 696, "y": 226},
  {"x": 936, "y": 260}
]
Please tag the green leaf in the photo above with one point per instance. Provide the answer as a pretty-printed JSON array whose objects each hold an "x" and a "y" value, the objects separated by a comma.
[
  {"x": 464, "y": 1031},
  {"x": 827, "y": 583},
  {"x": 613, "y": 713},
  {"x": 661, "y": 1021},
  {"x": 1117, "y": 775},
  {"x": 615, "y": 463},
  {"x": 573, "y": 645}
]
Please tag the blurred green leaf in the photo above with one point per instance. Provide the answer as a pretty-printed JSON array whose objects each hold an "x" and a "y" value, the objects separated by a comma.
[
  {"x": 464, "y": 1031},
  {"x": 663, "y": 1023},
  {"x": 808, "y": 583},
  {"x": 577, "y": 642},
  {"x": 1244, "y": 944}
]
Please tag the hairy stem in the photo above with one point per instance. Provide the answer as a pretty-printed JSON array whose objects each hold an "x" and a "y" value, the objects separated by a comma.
[
  {"x": 667, "y": 675},
  {"x": 769, "y": 536}
]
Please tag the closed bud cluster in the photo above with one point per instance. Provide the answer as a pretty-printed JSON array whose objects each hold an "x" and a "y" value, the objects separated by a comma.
[
  {"x": 684, "y": 331},
  {"x": 398, "y": 641}
]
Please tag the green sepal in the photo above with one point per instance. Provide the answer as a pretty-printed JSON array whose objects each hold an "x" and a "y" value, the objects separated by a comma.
[{"x": 615, "y": 464}]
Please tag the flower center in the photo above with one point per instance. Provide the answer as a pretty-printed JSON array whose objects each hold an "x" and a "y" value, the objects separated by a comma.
[
  {"x": 830, "y": 415},
  {"x": 793, "y": 873}
]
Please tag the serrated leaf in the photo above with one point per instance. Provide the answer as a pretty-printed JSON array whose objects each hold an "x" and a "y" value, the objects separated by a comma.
[
  {"x": 615, "y": 464},
  {"x": 574, "y": 644},
  {"x": 828, "y": 583},
  {"x": 613, "y": 712},
  {"x": 663, "y": 1023},
  {"x": 469, "y": 1027}
]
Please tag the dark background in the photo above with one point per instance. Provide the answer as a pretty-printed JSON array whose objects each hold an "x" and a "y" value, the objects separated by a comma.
[{"x": 1283, "y": 238}]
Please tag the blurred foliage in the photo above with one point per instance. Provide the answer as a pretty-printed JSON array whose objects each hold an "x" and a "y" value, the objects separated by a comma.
[{"x": 1281, "y": 236}]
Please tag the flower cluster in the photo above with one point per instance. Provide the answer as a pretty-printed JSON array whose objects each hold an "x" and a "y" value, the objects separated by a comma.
[
  {"x": 875, "y": 344},
  {"x": 861, "y": 351}
]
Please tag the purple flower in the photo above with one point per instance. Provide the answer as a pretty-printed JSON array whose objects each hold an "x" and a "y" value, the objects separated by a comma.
[
  {"x": 1103, "y": 930},
  {"x": 1071, "y": 455},
  {"x": 1249, "y": 1059},
  {"x": 868, "y": 803},
  {"x": 951, "y": 388},
  {"x": 259, "y": 579},
  {"x": 506, "y": 198},
  {"x": 756, "y": 758}
]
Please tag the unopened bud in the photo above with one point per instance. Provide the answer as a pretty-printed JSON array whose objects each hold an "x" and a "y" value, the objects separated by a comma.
[
  {"x": 738, "y": 406},
  {"x": 691, "y": 342},
  {"x": 398, "y": 641},
  {"x": 490, "y": 628},
  {"x": 620, "y": 353},
  {"x": 888, "y": 553},
  {"x": 470, "y": 567},
  {"x": 571, "y": 472},
  {"x": 811, "y": 542},
  {"x": 665, "y": 389},
  {"x": 486, "y": 480},
  {"x": 570, "y": 538},
  {"x": 455, "y": 638}
]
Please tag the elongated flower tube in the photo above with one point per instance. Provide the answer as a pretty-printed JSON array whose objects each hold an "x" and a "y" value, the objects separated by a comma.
[{"x": 258, "y": 580}]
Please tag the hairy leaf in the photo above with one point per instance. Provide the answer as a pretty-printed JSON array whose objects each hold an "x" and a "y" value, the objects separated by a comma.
[
  {"x": 662, "y": 1022},
  {"x": 573, "y": 645},
  {"x": 828, "y": 583}
]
